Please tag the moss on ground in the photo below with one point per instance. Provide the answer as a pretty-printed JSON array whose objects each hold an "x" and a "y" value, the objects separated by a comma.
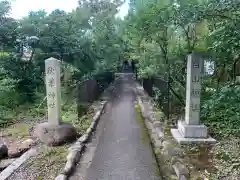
[
  {"x": 160, "y": 116},
  {"x": 140, "y": 120},
  {"x": 145, "y": 136}
]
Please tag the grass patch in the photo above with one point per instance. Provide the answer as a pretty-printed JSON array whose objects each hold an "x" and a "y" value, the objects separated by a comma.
[
  {"x": 70, "y": 115},
  {"x": 24, "y": 112},
  {"x": 22, "y": 121},
  {"x": 19, "y": 130},
  {"x": 30, "y": 111},
  {"x": 15, "y": 112},
  {"x": 160, "y": 116},
  {"x": 54, "y": 153}
]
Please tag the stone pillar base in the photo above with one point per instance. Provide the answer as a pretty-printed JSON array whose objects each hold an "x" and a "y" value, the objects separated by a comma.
[
  {"x": 54, "y": 135},
  {"x": 186, "y": 134},
  {"x": 192, "y": 131}
]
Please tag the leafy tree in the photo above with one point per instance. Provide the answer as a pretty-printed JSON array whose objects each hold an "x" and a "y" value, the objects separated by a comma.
[
  {"x": 88, "y": 42},
  {"x": 160, "y": 35}
]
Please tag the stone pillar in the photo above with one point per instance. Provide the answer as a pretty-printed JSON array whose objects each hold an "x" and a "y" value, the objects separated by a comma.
[
  {"x": 52, "y": 70},
  {"x": 190, "y": 130},
  {"x": 55, "y": 131},
  {"x": 193, "y": 90}
]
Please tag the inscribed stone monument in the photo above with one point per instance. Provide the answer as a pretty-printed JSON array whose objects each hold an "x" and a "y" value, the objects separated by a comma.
[
  {"x": 52, "y": 70},
  {"x": 191, "y": 130},
  {"x": 54, "y": 132}
]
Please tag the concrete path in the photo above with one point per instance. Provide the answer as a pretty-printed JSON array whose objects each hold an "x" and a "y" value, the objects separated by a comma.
[{"x": 123, "y": 151}]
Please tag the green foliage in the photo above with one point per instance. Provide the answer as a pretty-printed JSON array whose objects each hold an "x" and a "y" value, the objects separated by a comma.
[
  {"x": 221, "y": 111},
  {"x": 88, "y": 41},
  {"x": 161, "y": 34},
  {"x": 92, "y": 42}
]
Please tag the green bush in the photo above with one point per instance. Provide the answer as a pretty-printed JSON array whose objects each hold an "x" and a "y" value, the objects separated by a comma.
[
  {"x": 27, "y": 77},
  {"x": 221, "y": 112}
]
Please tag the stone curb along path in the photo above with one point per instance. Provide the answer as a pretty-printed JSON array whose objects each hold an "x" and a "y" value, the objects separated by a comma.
[
  {"x": 172, "y": 156},
  {"x": 75, "y": 151},
  {"x": 17, "y": 163}
]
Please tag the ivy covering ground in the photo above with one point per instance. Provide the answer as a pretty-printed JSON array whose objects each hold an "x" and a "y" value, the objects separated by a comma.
[{"x": 221, "y": 112}]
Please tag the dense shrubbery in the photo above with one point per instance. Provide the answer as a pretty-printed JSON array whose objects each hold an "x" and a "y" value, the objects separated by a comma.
[{"x": 221, "y": 111}]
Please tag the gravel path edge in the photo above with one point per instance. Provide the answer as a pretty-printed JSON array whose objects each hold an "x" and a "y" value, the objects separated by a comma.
[{"x": 17, "y": 163}]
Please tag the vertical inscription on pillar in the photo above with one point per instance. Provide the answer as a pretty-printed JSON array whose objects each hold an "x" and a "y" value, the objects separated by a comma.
[
  {"x": 196, "y": 92},
  {"x": 193, "y": 89},
  {"x": 52, "y": 69},
  {"x": 196, "y": 79}
]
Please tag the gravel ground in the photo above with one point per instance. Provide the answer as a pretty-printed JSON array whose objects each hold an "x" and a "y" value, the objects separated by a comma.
[
  {"x": 221, "y": 161},
  {"x": 226, "y": 159},
  {"x": 45, "y": 166}
]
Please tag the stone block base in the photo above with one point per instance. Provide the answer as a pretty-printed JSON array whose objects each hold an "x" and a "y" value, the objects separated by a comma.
[
  {"x": 182, "y": 140},
  {"x": 192, "y": 131},
  {"x": 54, "y": 135}
]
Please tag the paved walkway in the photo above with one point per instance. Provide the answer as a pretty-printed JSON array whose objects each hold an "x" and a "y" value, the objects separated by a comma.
[{"x": 123, "y": 151}]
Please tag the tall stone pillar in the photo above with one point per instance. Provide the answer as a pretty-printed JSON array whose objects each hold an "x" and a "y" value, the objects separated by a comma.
[
  {"x": 54, "y": 132},
  {"x": 52, "y": 71},
  {"x": 190, "y": 130}
]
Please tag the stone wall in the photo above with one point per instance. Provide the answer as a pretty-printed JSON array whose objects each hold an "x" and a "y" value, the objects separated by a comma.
[
  {"x": 162, "y": 86},
  {"x": 173, "y": 161},
  {"x": 90, "y": 90},
  {"x": 87, "y": 91}
]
